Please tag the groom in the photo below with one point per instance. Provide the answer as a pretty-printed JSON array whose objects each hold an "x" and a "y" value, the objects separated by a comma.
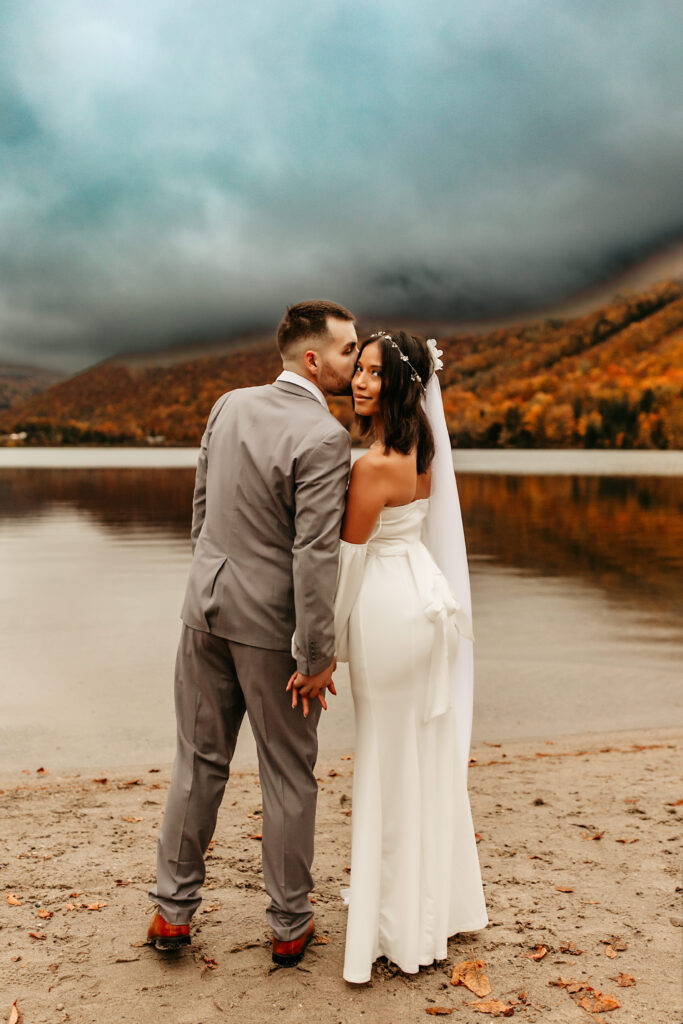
[{"x": 268, "y": 502}]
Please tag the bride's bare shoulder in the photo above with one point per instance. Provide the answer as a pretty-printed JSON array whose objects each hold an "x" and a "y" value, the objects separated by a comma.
[{"x": 377, "y": 463}]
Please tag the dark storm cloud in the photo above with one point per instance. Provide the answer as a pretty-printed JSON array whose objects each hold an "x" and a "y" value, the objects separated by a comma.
[{"x": 170, "y": 168}]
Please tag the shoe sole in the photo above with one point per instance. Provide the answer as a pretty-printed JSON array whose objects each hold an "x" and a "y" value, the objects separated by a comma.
[{"x": 171, "y": 944}]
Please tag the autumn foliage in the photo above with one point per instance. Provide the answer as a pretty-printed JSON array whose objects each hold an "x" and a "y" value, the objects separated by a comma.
[{"x": 612, "y": 379}]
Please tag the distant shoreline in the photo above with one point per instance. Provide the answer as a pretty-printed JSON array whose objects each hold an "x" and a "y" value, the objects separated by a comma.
[{"x": 513, "y": 461}]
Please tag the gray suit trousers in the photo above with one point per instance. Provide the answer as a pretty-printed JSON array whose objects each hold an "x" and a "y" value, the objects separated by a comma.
[{"x": 216, "y": 681}]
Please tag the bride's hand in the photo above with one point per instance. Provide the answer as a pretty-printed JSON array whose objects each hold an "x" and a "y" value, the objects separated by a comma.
[{"x": 318, "y": 694}]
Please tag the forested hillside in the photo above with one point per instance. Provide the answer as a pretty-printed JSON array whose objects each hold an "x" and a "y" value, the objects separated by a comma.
[
  {"x": 611, "y": 379},
  {"x": 17, "y": 383}
]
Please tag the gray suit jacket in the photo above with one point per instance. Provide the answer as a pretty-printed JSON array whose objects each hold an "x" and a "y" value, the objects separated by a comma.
[{"x": 268, "y": 503}]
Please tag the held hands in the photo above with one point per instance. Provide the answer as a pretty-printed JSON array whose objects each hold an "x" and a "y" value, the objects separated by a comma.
[{"x": 311, "y": 687}]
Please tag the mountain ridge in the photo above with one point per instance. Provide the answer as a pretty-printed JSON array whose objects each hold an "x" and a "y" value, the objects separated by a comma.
[
  {"x": 19, "y": 381},
  {"x": 609, "y": 378}
]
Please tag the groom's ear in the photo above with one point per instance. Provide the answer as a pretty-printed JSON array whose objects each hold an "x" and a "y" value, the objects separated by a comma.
[{"x": 311, "y": 360}]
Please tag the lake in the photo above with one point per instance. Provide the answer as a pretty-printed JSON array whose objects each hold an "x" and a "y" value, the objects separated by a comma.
[{"x": 576, "y": 561}]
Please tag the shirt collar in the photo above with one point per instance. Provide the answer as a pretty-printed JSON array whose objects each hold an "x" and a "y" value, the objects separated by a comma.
[{"x": 295, "y": 378}]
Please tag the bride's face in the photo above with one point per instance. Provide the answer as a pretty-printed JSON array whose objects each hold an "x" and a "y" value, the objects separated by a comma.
[{"x": 367, "y": 380}]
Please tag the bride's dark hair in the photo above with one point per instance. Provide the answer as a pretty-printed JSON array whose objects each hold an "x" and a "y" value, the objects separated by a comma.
[{"x": 405, "y": 424}]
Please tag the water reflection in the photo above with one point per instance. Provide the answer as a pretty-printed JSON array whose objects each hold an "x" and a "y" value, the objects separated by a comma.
[
  {"x": 623, "y": 535},
  {"x": 122, "y": 500},
  {"x": 576, "y": 583}
]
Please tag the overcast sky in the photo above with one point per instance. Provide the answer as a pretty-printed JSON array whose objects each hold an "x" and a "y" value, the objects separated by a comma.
[{"x": 175, "y": 167}]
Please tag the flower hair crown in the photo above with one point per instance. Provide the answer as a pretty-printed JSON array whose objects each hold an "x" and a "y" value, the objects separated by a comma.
[{"x": 434, "y": 354}]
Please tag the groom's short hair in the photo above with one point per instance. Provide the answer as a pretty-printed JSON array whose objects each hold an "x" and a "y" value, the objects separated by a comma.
[{"x": 306, "y": 320}]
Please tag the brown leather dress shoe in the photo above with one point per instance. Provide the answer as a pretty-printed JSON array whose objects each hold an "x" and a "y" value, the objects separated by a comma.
[
  {"x": 288, "y": 954},
  {"x": 167, "y": 936}
]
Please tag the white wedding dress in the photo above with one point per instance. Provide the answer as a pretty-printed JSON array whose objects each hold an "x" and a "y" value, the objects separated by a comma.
[{"x": 415, "y": 877}]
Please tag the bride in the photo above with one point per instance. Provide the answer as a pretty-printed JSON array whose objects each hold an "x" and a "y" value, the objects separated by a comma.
[{"x": 402, "y": 623}]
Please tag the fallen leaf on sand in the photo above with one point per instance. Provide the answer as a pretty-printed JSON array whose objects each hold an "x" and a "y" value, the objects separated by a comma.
[
  {"x": 472, "y": 760},
  {"x": 256, "y": 836},
  {"x": 332, "y": 773},
  {"x": 470, "y": 973},
  {"x": 538, "y": 953},
  {"x": 587, "y": 997},
  {"x": 571, "y": 948},
  {"x": 346, "y": 757},
  {"x": 627, "y": 840},
  {"x": 82, "y": 906},
  {"x": 45, "y": 914},
  {"x": 133, "y": 819},
  {"x": 624, "y": 980},
  {"x": 598, "y": 1002},
  {"x": 14, "y": 1014},
  {"x": 211, "y": 964},
  {"x": 209, "y": 910},
  {"x": 615, "y": 942},
  {"x": 13, "y": 900},
  {"x": 495, "y": 1007},
  {"x": 37, "y": 935},
  {"x": 312, "y": 899},
  {"x": 611, "y": 953},
  {"x": 96, "y": 906},
  {"x": 564, "y": 888},
  {"x": 40, "y": 771},
  {"x": 596, "y": 835},
  {"x": 439, "y": 1011},
  {"x": 322, "y": 940},
  {"x": 675, "y": 803},
  {"x": 131, "y": 782},
  {"x": 477, "y": 837},
  {"x": 571, "y": 984},
  {"x": 101, "y": 781}
]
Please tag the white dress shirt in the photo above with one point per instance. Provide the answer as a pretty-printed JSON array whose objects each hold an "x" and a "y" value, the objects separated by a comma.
[{"x": 295, "y": 378}]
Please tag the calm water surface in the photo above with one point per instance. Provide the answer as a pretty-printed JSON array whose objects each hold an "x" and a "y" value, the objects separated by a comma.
[{"x": 577, "y": 587}]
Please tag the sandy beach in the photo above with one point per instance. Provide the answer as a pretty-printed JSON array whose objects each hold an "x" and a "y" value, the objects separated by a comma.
[{"x": 580, "y": 854}]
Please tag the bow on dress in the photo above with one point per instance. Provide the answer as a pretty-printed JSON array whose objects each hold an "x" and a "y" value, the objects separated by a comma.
[{"x": 451, "y": 623}]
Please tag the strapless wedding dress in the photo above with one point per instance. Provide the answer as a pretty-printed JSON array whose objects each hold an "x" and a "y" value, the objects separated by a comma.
[{"x": 415, "y": 877}]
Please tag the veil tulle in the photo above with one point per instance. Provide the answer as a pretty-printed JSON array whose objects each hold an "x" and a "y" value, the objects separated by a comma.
[{"x": 445, "y": 538}]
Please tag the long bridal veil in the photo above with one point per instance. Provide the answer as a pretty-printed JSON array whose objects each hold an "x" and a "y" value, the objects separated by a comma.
[{"x": 445, "y": 538}]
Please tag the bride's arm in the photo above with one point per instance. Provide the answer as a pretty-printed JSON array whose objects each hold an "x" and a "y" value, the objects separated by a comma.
[{"x": 366, "y": 497}]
